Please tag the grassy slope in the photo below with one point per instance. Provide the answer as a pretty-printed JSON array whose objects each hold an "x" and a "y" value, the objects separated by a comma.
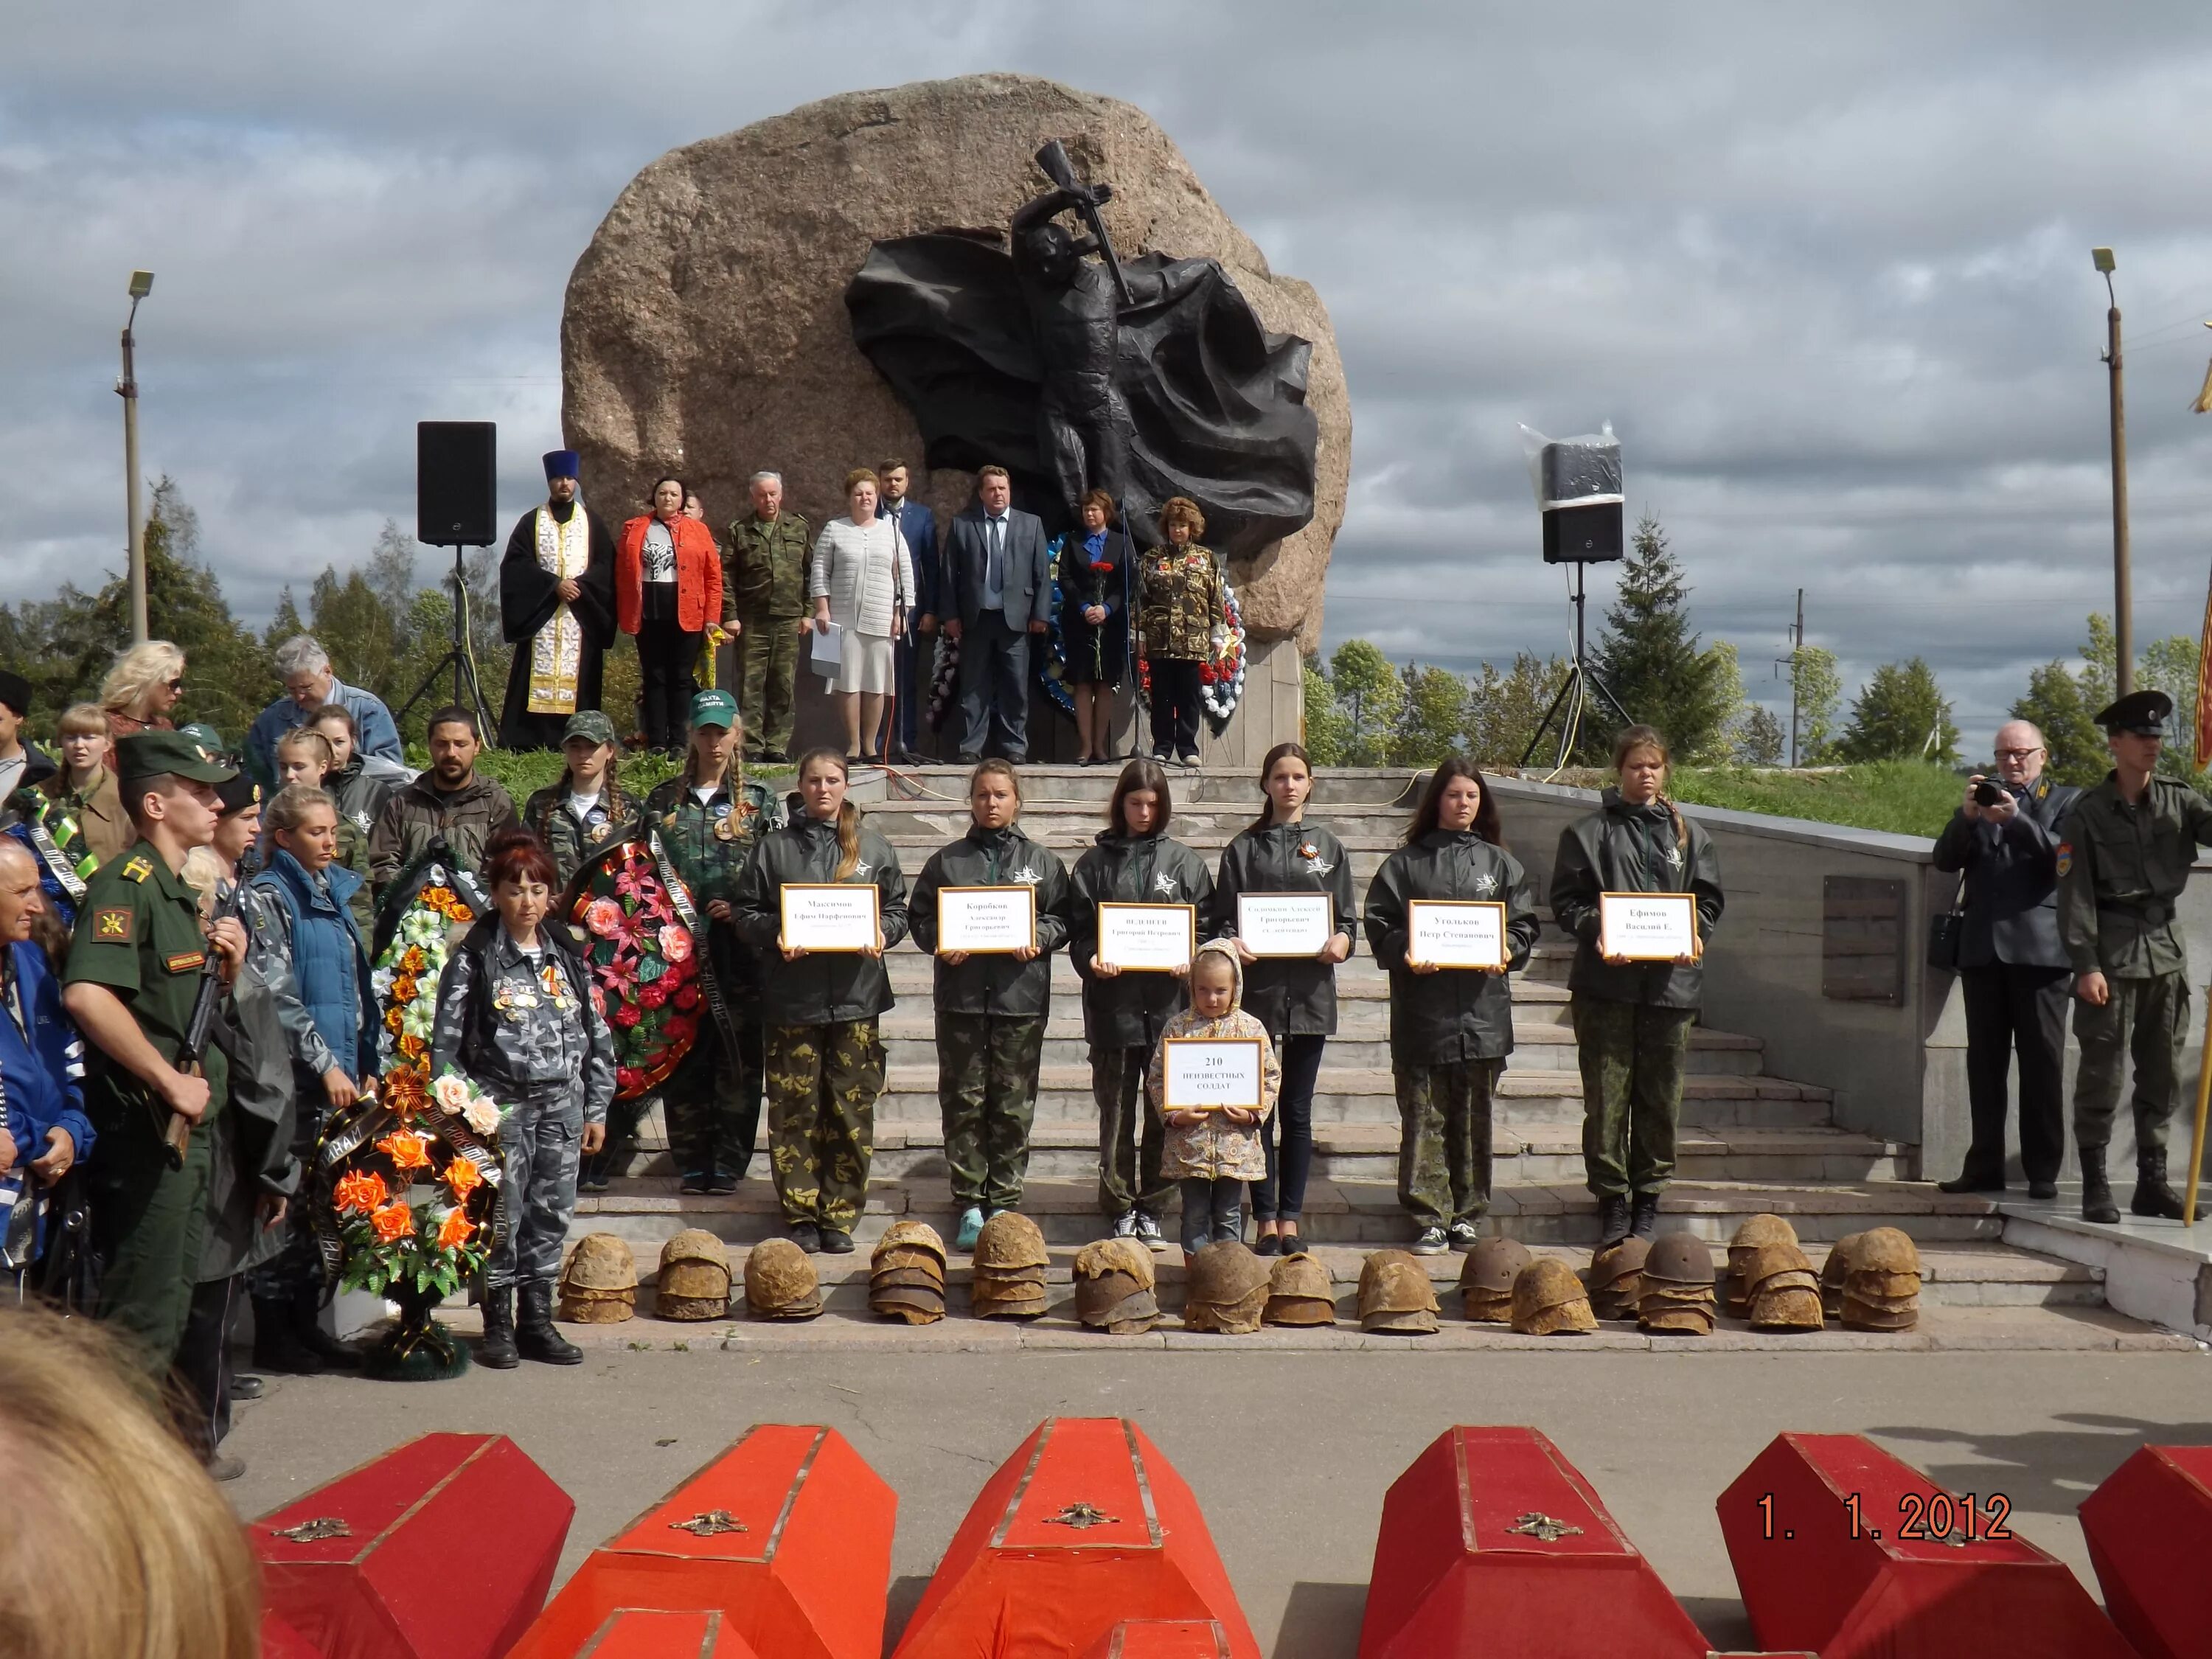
[
  {"x": 1902, "y": 797},
  {"x": 522, "y": 772}
]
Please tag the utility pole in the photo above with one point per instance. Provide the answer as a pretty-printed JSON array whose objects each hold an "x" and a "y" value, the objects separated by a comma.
[
  {"x": 141, "y": 284},
  {"x": 1796, "y": 646},
  {"x": 2123, "y": 627}
]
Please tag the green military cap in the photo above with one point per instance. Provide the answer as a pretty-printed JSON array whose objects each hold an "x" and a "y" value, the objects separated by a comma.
[
  {"x": 589, "y": 724},
  {"x": 154, "y": 754},
  {"x": 2144, "y": 712},
  {"x": 713, "y": 708},
  {"x": 206, "y": 735}
]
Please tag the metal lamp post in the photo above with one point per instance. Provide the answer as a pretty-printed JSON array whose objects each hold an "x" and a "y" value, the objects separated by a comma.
[
  {"x": 2123, "y": 624},
  {"x": 141, "y": 284}
]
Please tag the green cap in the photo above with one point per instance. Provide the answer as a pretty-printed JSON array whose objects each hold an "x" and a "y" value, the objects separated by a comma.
[
  {"x": 206, "y": 735},
  {"x": 713, "y": 708},
  {"x": 589, "y": 724},
  {"x": 151, "y": 754},
  {"x": 2144, "y": 712}
]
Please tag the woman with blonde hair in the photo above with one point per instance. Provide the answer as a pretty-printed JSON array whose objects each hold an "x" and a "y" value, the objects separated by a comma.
[
  {"x": 861, "y": 578},
  {"x": 141, "y": 688},
  {"x": 117, "y": 1542}
]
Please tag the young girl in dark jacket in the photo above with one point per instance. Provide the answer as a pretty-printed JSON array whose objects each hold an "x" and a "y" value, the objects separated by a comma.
[{"x": 1450, "y": 1028}]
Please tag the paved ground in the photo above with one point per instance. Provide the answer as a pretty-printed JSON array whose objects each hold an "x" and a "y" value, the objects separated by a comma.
[{"x": 1289, "y": 1454}]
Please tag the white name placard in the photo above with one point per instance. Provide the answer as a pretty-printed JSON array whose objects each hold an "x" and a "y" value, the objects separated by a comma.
[
  {"x": 1212, "y": 1074},
  {"x": 1647, "y": 927},
  {"x": 985, "y": 921},
  {"x": 831, "y": 916},
  {"x": 1455, "y": 933},
  {"x": 1285, "y": 924},
  {"x": 1147, "y": 939}
]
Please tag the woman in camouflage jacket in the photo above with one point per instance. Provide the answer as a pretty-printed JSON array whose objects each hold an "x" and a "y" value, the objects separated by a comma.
[{"x": 1183, "y": 622}]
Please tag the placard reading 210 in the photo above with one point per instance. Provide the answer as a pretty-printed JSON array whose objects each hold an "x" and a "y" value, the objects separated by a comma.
[{"x": 1209, "y": 1074}]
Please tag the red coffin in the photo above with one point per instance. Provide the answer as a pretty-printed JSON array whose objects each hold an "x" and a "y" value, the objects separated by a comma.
[
  {"x": 1808, "y": 1583},
  {"x": 1493, "y": 1544},
  {"x": 2149, "y": 1528},
  {"x": 1162, "y": 1638},
  {"x": 280, "y": 1640},
  {"x": 648, "y": 1633},
  {"x": 1085, "y": 1527},
  {"x": 787, "y": 1535},
  {"x": 363, "y": 1568}
]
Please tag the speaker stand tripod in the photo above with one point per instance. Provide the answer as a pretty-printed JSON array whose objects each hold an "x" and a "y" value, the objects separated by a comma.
[
  {"x": 1575, "y": 692},
  {"x": 468, "y": 692}
]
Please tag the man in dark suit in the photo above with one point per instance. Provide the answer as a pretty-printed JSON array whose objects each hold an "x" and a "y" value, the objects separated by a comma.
[
  {"x": 996, "y": 587},
  {"x": 916, "y": 646},
  {"x": 2012, "y": 968}
]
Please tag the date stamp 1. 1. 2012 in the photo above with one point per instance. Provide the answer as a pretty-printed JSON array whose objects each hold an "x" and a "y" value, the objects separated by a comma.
[{"x": 1923, "y": 1517}]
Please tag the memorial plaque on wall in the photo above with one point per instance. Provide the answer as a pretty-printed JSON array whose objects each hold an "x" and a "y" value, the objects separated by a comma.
[{"x": 1864, "y": 939}]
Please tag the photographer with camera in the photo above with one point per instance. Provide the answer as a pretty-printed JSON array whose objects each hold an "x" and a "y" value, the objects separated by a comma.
[{"x": 2012, "y": 967}]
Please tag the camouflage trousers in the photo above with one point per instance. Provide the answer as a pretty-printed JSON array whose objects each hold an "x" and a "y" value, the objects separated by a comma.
[
  {"x": 1633, "y": 1058},
  {"x": 1130, "y": 1137},
  {"x": 539, "y": 1151},
  {"x": 712, "y": 1101},
  {"x": 2148, "y": 1020},
  {"x": 1443, "y": 1141},
  {"x": 823, "y": 1084},
  {"x": 986, "y": 1084},
  {"x": 767, "y": 663}
]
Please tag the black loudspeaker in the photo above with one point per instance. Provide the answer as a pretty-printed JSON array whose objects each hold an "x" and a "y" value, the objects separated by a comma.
[
  {"x": 457, "y": 483},
  {"x": 1582, "y": 535}
]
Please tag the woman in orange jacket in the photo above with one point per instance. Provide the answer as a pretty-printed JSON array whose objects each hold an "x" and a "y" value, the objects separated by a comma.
[{"x": 668, "y": 590}]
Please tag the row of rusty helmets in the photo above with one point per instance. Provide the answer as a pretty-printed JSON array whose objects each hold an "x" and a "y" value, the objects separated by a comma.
[
  {"x": 1756, "y": 1233},
  {"x": 1008, "y": 1265},
  {"x": 1227, "y": 1289},
  {"x": 780, "y": 1282},
  {"x": 694, "y": 1276},
  {"x": 598, "y": 1282},
  {"x": 1616, "y": 1278},
  {"x": 1880, "y": 1288},
  {"x": 1674, "y": 1286},
  {"x": 906, "y": 1273},
  {"x": 1486, "y": 1279},
  {"x": 1115, "y": 1291}
]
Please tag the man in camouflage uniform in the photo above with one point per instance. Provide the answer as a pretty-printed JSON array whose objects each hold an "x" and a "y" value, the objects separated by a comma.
[
  {"x": 712, "y": 1101},
  {"x": 574, "y": 825},
  {"x": 764, "y": 592},
  {"x": 2128, "y": 847}
]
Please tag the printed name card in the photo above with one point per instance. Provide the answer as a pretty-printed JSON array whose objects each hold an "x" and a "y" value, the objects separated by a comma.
[
  {"x": 985, "y": 921},
  {"x": 1285, "y": 924},
  {"x": 831, "y": 916},
  {"x": 1211, "y": 1074},
  {"x": 1647, "y": 927},
  {"x": 1147, "y": 939},
  {"x": 1455, "y": 933}
]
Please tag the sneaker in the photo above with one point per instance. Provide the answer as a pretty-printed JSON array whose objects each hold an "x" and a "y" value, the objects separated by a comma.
[
  {"x": 721, "y": 1185},
  {"x": 1462, "y": 1234},
  {"x": 806, "y": 1236},
  {"x": 1149, "y": 1234},
  {"x": 695, "y": 1185},
  {"x": 592, "y": 1173},
  {"x": 836, "y": 1242},
  {"x": 1430, "y": 1243},
  {"x": 1189, "y": 762},
  {"x": 1125, "y": 1225},
  {"x": 222, "y": 1465},
  {"x": 971, "y": 1228}
]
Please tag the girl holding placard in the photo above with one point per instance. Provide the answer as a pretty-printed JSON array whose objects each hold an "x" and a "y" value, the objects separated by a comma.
[
  {"x": 825, "y": 1057},
  {"x": 1133, "y": 862},
  {"x": 1634, "y": 1014},
  {"x": 1451, "y": 1026},
  {"x": 993, "y": 990},
  {"x": 1213, "y": 1152},
  {"x": 1293, "y": 995}
]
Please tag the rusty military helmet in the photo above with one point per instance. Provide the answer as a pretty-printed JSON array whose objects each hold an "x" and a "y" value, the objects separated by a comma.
[
  {"x": 1113, "y": 1255},
  {"x": 1834, "y": 1271},
  {"x": 1787, "y": 1301},
  {"x": 1756, "y": 1231},
  {"x": 1493, "y": 1264},
  {"x": 1764, "y": 1262},
  {"x": 780, "y": 1281},
  {"x": 1300, "y": 1292},
  {"x": 1010, "y": 1240},
  {"x": 903, "y": 1236},
  {"x": 694, "y": 1276},
  {"x": 911, "y": 1305},
  {"x": 1887, "y": 1251},
  {"x": 1679, "y": 1258},
  {"x": 600, "y": 1261},
  {"x": 1395, "y": 1295},
  {"x": 1549, "y": 1300},
  {"x": 1615, "y": 1263},
  {"x": 1227, "y": 1290}
]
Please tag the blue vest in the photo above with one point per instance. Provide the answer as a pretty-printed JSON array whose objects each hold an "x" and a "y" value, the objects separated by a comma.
[{"x": 330, "y": 963}]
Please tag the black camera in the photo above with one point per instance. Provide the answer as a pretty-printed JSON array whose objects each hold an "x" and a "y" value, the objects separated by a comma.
[{"x": 1989, "y": 793}]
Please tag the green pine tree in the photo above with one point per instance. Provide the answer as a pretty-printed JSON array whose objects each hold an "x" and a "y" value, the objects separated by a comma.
[
  {"x": 1651, "y": 661},
  {"x": 1900, "y": 714},
  {"x": 1503, "y": 710}
]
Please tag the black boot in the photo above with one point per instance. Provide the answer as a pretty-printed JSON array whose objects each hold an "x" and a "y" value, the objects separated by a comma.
[
  {"x": 307, "y": 1326},
  {"x": 2096, "y": 1191},
  {"x": 534, "y": 1335},
  {"x": 1612, "y": 1220},
  {"x": 276, "y": 1344},
  {"x": 1643, "y": 1216},
  {"x": 497, "y": 1350},
  {"x": 2153, "y": 1197}
]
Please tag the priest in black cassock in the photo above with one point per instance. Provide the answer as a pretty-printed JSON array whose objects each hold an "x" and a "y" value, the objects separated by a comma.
[{"x": 556, "y": 602}]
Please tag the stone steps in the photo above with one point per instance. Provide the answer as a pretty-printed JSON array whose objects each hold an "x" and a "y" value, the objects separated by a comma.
[{"x": 1386, "y": 789}]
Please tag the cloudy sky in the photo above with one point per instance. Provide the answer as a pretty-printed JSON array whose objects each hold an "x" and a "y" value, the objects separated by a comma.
[{"x": 1826, "y": 271}]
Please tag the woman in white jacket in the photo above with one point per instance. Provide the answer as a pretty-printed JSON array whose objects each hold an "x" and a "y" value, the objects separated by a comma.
[{"x": 861, "y": 578}]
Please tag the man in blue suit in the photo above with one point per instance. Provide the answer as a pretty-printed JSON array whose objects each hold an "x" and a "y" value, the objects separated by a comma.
[
  {"x": 996, "y": 587},
  {"x": 916, "y": 646}
]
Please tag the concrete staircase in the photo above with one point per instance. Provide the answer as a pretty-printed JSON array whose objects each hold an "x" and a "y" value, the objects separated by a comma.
[{"x": 1749, "y": 1141}]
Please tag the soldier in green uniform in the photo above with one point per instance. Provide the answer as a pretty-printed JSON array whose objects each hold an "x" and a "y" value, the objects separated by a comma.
[
  {"x": 134, "y": 974},
  {"x": 764, "y": 593},
  {"x": 709, "y": 819},
  {"x": 2121, "y": 866}
]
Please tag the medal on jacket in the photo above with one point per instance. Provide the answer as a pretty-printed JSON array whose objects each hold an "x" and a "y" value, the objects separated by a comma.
[
  {"x": 1307, "y": 850},
  {"x": 725, "y": 829}
]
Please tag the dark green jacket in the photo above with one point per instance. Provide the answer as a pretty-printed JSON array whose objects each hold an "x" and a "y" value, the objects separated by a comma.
[
  {"x": 993, "y": 984},
  {"x": 1621, "y": 848},
  {"x": 1292, "y": 997},
  {"x": 826, "y": 989},
  {"x": 466, "y": 821},
  {"x": 1127, "y": 1010},
  {"x": 2121, "y": 868},
  {"x": 546, "y": 816},
  {"x": 765, "y": 566},
  {"x": 709, "y": 844},
  {"x": 1455, "y": 1013}
]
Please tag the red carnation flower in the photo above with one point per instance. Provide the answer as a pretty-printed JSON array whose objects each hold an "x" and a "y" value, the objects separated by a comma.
[
  {"x": 626, "y": 1016},
  {"x": 679, "y": 1029},
  {"x": 653, "y": 995},
  {"x": 627, "y": 1078},
  {"x": 688, "y": 997}
]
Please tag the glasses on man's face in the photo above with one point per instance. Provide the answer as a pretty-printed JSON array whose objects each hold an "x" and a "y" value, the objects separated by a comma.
[{"x": 2019, "y": 754}]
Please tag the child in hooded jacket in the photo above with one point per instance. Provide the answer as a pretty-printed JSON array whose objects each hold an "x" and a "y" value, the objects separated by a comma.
[{"x": 1211, "y": 1154}]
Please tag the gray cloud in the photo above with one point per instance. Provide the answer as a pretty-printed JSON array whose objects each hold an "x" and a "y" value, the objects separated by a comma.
[{"x": 1826, "y": 272}]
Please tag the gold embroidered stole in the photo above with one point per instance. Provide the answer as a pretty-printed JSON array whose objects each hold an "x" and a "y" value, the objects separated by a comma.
[{"x": 556, "y": 652}]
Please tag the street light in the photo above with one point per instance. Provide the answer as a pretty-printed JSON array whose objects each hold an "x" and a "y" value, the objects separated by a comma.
[
  {"x": 141, "y": 284},
  {"x": 2123, "y": 627}
]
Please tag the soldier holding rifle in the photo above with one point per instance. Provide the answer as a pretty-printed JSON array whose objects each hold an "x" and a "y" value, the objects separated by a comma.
[{"x": 135, "y": 973}]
